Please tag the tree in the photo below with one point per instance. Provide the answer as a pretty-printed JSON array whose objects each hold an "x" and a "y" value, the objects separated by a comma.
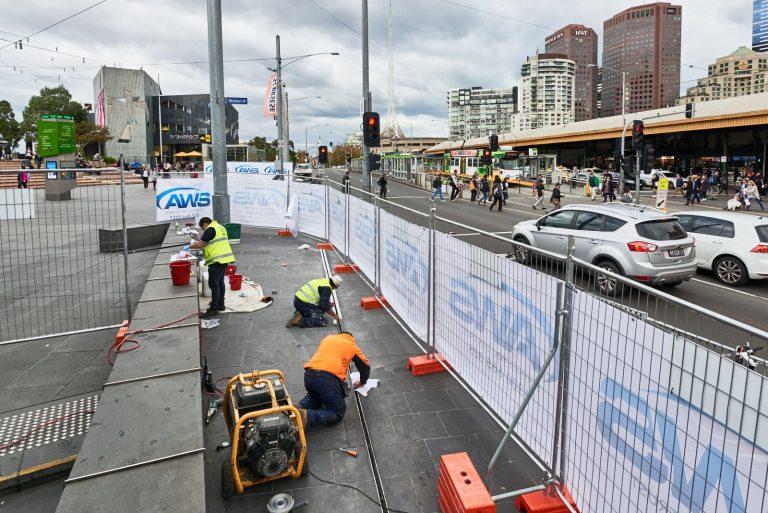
[
  {"x": 271, "y": 148},
  {"x": 89, "y": 133},
  {"x": 339, "y": 155},
  {"x": 9, "y": 127},
  {"x": 51, "y": 100}
]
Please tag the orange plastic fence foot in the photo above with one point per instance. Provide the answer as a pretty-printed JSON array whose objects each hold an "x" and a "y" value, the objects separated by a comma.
[
  {"x": 343, "y": 268},
  {"x": 325, "y": 245},
  {"x": 426, "y": 364},
  {"x": 369, "y": 303},
  {"x": 543, "y": 502},
  {"x": 284, "y": 233},
  {"x": 121, "y": 333},
  {"x": 459, "y": 487}
]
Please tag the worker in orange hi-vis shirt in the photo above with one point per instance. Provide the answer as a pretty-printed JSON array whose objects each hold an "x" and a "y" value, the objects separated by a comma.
[{"x": 325, "y": 375}]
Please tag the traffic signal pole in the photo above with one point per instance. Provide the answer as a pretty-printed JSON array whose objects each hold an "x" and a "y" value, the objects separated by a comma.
[
  {"x": 218, "y": 124},
  {"x": 367, "y": 107}
]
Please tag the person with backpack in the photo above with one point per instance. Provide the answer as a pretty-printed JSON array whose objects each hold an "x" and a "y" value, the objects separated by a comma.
[
  {"x": 505, "y": 190},
  {"x": 474, "y": 184},
  {"x": 382, "y": 183},
  {"x": 455, "y": 185},
  {"x": 498, "y": 193},
  {"x": 538, "y": 193},
  {"x": 594, "y": 185},
  {"x": 437, "y": 184},
  {"x": 556, "y": 197},
  {"x": 485, "y": 188}
]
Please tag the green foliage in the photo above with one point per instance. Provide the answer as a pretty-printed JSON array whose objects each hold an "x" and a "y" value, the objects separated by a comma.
[
  {"x": 90, "y": 133},
  {"x": 109, "y": 160},
  {"x": 51, "y": 100},
  {"x": 9, "y": 127}
]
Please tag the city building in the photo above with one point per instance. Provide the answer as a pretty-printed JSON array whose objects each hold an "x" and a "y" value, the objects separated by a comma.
[
  {"x": 354, "y": 138},
  {"x": 478, "y": 112},
  {"x": 407, "y": 144},
  {"x": 600, "y": 92},
  {"x": 642, "y": 42},
  {"x": 741, "y": 73},
  {"x": 126, "y": 102},
  {"x": 760, "y": 25},
  {"x": 579, "y": 43},
  {"x": 546, "y": 92}
]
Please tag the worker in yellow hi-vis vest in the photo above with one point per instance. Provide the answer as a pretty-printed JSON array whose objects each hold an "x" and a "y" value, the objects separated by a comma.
[
  {"x": 313, "y": 301},
  {"x": 218, "y": 255}
]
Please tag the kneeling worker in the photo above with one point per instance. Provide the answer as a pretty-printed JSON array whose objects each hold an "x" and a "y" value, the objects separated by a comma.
[
  {"x": 325, "y": 376},
  {"x": 313, "y": 301},
  {"x": 218, "y": 254}
]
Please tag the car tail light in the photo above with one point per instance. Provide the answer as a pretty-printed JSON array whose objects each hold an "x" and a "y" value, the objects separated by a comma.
[
  {"x": 760, "y": 248},
  {"x": 642, "y": 247},
  {"x": 643, "y": 278}
]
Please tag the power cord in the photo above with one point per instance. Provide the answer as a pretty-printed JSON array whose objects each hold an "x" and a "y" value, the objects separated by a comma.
[
  {"x": 358, "y": 490},
  {"x": 117, "y": 346}
]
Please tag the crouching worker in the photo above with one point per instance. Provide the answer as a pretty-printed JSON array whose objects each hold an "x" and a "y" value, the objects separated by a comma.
[
  {"x": 313, "y": 301},
  {"x": 325, "y": 376}
]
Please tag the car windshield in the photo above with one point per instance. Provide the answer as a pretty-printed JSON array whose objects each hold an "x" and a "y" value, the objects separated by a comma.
[
  {"x": 661, "y": 229},
  {"x": 762, "y": 232}
]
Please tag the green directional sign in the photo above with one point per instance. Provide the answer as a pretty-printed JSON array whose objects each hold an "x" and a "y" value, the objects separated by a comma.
[
  {"x": 55, "y": 135},
  {"x": 66, "y": 137}
]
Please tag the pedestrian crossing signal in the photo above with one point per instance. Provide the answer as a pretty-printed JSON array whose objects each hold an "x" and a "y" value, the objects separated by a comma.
[
  {"x": 322, "y": 155},
  {"x": 371, "y": 129}
]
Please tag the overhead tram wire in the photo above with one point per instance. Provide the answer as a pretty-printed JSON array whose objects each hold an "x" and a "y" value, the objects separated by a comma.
[{"x": 496, "y": 15}]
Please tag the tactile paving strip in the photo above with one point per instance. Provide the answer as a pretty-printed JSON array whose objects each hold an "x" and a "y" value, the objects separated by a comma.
[{"x": 72, "y": 424}]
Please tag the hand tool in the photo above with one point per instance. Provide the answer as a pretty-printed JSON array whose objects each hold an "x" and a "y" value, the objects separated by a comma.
[{"x": 349, "y": 452}]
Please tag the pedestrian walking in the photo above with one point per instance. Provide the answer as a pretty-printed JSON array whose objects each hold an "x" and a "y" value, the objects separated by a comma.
[
  {"x": 594, "y": 185},
  {"x": 505, "y": 190},
  {"x": 382, "y": 183},
  {"x": 556, "y": 197},
  {"x": 538, "y": 193},
  {"x": 609, "y": 193},
  {"x": 145, "y": 177},
  {"x": 473, "y": 186},
  {"x": 23, "y": 179},
  {"x": 485, "y": 189},
  {"x": 437, "y": 184},
  {"x": 153, "y": 177},
  {"x": 455, "y": 185},
  {"x": 498, "y": 193},
  {"x": 38, "y": 161},
  {"x": 752, "y": 194}
]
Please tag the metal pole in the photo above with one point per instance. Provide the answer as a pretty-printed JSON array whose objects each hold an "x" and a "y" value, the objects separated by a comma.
[
  {"x": 160, "y": 119},
  {"x": 559, "y": 448},
  {"x": 346, "y": 226},
  {"x": 377, "y": 227},
  {"x": 218, "y": 125},
  {"x": 327, "y": 207},
  {"x": 306, "y": 147},
  {"x": 624, "y": 121},
  {"x": 431, "y": 293},
  {"x": 125, "y": 240},
  {"x": 637, "y": 177},
  {"x": 279, "y": 68},
  {"x": 366, "y": 101}
]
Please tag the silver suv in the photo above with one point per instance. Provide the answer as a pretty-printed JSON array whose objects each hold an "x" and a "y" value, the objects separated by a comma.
[{"x": 638, "y": 242}]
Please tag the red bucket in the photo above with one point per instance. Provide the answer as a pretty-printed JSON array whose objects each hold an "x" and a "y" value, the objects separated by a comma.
[
  {"x": 231, "y": 269},
  {"x": 180, "y": 271},
  {"x": 236, "y": 281}
]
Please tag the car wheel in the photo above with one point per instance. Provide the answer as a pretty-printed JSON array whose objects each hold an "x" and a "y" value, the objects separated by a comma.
[
  {"x": 731, "y": 271},
  {"x": 608, "y": 284},
  {"x": 522, "y": 255}
]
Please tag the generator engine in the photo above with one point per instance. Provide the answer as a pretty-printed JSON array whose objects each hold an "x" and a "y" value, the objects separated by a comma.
[{"x": 269, "y": 442}]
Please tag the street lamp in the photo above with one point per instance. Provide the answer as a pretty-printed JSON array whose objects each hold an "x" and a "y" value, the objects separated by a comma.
[
  {"x": 623, "y": 116},
  {"x": 306, "y": 146}
]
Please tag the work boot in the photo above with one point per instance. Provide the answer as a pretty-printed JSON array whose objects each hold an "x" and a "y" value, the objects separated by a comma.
[
  {"x": 209, "y": 313},
  {"x": 303, "y": 415},
  {"x": 295, "y": 320}
]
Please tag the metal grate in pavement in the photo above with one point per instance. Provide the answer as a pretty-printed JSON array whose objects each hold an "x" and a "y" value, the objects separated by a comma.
[{"x": 46, "y": 425}]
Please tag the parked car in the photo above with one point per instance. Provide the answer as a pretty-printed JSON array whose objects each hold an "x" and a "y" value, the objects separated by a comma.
[
  {"x": 647, "y": 177},
  {"x": 733, "y": 245},
  {"x": 638, "y": 242}
]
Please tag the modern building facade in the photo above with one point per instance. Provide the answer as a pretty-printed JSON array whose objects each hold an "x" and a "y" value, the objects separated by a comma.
[
  {"x": 643, "y": 42},
  {"x": 547, "y": 92},
  {"x": 741, "y": 73},
  {"x": 478, "y": 112},
  {"x": 579, "y": 43},
  {"x": 126, "y": 102},
  {"x": 760, "y": 25}
]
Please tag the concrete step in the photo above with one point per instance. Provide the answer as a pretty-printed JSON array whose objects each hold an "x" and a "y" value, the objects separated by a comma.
[{"x": 37, "y": 179}]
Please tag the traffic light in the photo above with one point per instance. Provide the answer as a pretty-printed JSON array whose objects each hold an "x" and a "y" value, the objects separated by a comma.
[
  {"x": 322, "y": 155},
  {"x": 493, "y": 141},
  {"x": 371, "y": 129},
  {"x": 649, "y": 155},
  {"x": 637, "y": 134},
  {"x": 349, "y": 159},
  {"x": 628, "y": 165},
  {"x": 689, "y": 110},
  {"x": 487, "y": 158},
  {"x": 374, "y": 161}
]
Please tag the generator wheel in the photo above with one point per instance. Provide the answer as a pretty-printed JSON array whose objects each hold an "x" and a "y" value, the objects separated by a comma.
[{"x": 227, "y": 480}]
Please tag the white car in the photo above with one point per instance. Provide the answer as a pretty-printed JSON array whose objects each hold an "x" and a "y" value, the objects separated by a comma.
[
  {"x": 732, "y": 244},
  {"x": 646, "y": 178}
]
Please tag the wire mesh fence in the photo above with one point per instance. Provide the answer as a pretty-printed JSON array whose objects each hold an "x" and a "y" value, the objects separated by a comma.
[{"x": 63, "y": 264}]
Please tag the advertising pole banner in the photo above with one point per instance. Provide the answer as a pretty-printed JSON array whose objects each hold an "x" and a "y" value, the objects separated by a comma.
[
  {"x": 181, "y": 198},
  {"x": 270, "y": 97},
  {"x": 253, "y": 168}
]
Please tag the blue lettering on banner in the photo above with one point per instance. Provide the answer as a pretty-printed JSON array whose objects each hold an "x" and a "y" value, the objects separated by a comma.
[
  {"x": 182, "y": 197},
  {"x": 365, "y": 231},
  {"x": 259, "y": 198},
  {"x": 406, "y": 260},
  {"x": 337, "y": 215},
  {"x": 515, "y": 325},
  {"x": 655, "y": 432},
  {"x": 246, "y": 169},
  {"x": 310, "y": 204}
]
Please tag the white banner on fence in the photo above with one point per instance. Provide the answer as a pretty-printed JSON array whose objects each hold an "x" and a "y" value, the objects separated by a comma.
[
  {"x": 183, "y": 198},
  {"x": 362, "y": 236},
  {"x": 311, "y": 204},
  {"x": 250, "y": 168},
  {"x": 658, "y": 423},
  {"x": 17, "y": 204},
  {"x": 292, "y": 216},
  {"x": 337, "y": 217},
  {"x": 494, "y": 324},
  {"x": 256, "y": 200}
]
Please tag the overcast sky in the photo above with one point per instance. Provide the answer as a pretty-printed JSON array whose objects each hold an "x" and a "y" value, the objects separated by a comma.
[{"x": 438, "y": 44}]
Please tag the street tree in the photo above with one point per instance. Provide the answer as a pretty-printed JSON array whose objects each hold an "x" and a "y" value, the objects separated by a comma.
[
  {"x": 89, "y": 133},
  {"x": 10, "y": 132},
  {"x": 51, "y": 100}
]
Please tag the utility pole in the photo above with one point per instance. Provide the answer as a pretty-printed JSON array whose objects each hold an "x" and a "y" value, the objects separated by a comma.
[
  {"x": 279, "y": 69},
  {"x": 218, "y": 128},
  {"x": 366, "y": 101}
]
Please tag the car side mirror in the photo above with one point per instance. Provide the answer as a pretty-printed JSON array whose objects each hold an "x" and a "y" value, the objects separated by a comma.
[{"x": 538, "y": 225}]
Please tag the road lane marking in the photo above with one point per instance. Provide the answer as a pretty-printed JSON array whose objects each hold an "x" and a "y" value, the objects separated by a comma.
[{"x": 730, "y": 289}]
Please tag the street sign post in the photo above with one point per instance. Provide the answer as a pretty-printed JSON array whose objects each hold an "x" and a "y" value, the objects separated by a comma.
[
  {"x": 662, "y": 193},
  {"x": 231, "y": 100}
]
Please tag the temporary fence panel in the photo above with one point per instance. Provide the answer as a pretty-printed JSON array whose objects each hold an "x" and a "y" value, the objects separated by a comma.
[
  {"x": 57, "y": 275},
  {"x": 404, "y": 264},
  {"x": 311, "y": 198},
  {"x": 659, "y": 423},
  {"x": 362, "y": 235},
  {"x": 183, "y": 198},
  {"x": 337, "y": 219},
  {"x": 494, "y": 324},
  {"x": 257, "y": 200},
  {"x": 292, "y": 215}
]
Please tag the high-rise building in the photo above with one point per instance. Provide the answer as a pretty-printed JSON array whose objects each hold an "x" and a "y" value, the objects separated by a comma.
[
  {"x": 741, "y": 73},
  {"x": 644, "y": 43},
  {"x": 479, "y": 112},
  {"x": 579, "y": 43},
  {"x": 546, "y": 92},
  {"x": 760, "y": 25}
]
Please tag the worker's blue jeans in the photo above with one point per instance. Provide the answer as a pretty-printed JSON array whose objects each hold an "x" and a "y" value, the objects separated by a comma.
[
  {"x": 216, "y": 274},
  {"x": 324, "y": 401},
  {"x": 311, "y": 315}
]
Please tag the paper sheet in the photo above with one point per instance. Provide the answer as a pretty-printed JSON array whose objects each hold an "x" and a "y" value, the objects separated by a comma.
[{"x": 369, "y": 385}]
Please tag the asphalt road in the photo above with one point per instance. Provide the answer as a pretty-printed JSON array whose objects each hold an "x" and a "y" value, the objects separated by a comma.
[{"x": 748, "y": 304}]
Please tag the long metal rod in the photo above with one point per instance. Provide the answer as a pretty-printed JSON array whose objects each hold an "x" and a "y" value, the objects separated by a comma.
[
  {"x": 431, "y": 295},
  {"x": 54, "y": 335},
  {"x": 366, "y": 151},
  {"x": 565, "y": 358},
  {"x": 279, "y": 71},
  {"x": 133, "y": 465},
  {"x": 152, "y": 376},
  {"x": 125, "y": 245},
  {"x": 516, "y": 493}
]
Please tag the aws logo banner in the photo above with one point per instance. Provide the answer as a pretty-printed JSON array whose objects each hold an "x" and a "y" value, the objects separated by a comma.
[
  {"x": 253, "y": 168},
  {"x": 183, "y": 199}
]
